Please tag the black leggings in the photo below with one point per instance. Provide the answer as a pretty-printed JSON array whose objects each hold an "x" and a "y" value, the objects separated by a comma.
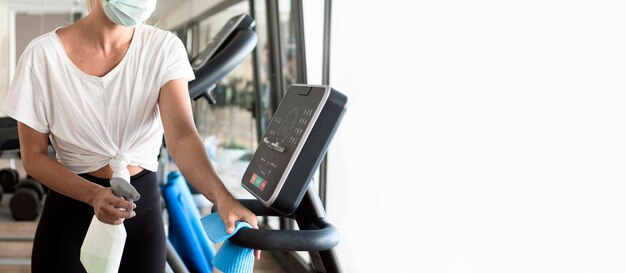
[{"x": 64, "y": 223}]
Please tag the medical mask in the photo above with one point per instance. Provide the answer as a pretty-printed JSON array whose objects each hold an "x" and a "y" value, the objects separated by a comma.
[{"x": 128, "y": 12}]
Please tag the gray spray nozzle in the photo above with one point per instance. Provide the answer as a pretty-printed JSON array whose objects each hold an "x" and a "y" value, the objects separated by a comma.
[{"x": 124, "y": 189}]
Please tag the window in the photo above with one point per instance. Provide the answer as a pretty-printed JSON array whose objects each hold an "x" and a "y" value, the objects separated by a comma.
[{"x": 228, "y": 128}]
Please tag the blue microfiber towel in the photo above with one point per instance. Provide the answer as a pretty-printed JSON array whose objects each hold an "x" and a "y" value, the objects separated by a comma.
[{"x": 230, "y": 258}]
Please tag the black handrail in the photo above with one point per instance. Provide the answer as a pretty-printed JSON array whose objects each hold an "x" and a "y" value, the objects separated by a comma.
[
  {"x": 324, "y": 237},
  {"x": 315, "y": 233},
  {"x": 222, "y": 63}
]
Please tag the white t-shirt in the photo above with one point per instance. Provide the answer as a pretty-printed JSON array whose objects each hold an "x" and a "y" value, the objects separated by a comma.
[{"x": 91, "y": 119}]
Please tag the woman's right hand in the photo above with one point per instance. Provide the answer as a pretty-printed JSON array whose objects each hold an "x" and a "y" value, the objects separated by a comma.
[{"x": 111, "y": 209}]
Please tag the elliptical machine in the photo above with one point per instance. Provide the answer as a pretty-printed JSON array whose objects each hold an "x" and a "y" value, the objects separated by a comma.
[{"x": 281, "y": 170}]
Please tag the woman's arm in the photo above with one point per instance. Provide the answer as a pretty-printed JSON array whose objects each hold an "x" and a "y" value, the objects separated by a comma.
[
  {"x": 185, "y": 146},
  {"x": 37, "y": 163}
]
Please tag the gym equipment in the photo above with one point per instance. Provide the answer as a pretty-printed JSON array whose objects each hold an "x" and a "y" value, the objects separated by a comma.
[
  {"x": 282, "y": 168},
  {"x": 284, "y": 163},
  {"x": 174, "y": 263},
  {"x": 224, "y": 52},
  {"x": 24, "y": 203},
  {"x": 185, "y": 230},
  {"x": 9, "y": 178},
  {"x": 45, "y": 188},
  {"x": 8, "y": 134}
]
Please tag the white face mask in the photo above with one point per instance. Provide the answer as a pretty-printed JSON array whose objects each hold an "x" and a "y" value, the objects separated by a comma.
[{"x": 128, "y": 12}]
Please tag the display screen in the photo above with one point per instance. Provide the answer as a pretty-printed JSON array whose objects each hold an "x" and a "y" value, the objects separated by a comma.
[{"x": 283, "y": 135}]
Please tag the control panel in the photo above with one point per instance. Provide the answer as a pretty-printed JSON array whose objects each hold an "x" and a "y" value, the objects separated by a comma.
[{"x": 293, "y": 145}]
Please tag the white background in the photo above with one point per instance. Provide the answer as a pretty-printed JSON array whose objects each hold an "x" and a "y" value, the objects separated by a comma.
[{"x": 481, "y": 136}]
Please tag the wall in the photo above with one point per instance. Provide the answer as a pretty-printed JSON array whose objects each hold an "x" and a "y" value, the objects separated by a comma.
[
  {"x": 481, "y": 136},
  {"x": 182, "y": 13},
  {"x": 29, "y": 27},
  {"x": 32, "y": 9},
  {"x": 4, "y": 52}
]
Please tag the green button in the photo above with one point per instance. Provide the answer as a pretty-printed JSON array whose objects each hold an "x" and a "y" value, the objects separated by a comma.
[{"x": 257, "y": 182}]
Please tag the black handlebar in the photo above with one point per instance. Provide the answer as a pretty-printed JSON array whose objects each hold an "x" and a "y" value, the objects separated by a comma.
[
  {"x": 324, "y": 237},
  {"x": 223, "y": 62},
  {"x": 255, "y": 207},
  {"x": 317, "y": 235}
]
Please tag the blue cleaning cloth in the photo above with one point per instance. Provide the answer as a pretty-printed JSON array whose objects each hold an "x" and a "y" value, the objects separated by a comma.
[{"x": 230, "y": 258}]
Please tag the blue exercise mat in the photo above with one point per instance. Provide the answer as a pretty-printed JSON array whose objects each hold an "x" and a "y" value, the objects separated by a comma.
[
  {"x": 230, "y": 258},
  {"x": 186, "y": 233}
]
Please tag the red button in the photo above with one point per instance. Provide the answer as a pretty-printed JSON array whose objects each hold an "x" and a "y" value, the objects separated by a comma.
[
  {"x": 263, "y": 183},
  {"x": 253, "y": 179}
]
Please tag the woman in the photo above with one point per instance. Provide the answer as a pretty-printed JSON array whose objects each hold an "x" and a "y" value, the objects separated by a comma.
[{"x": 104, "y": 90}]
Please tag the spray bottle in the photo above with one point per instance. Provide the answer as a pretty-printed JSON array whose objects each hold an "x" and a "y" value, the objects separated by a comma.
[{"x": 103, "y": 246}]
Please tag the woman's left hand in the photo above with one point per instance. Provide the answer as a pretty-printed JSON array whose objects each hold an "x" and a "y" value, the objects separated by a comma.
[{"x": 231, "y": 211}]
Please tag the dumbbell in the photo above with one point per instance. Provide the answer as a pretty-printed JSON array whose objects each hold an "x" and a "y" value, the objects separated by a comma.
[
  {"x": 45, "y": 188},
  {"x": 9, "y": 179},
  {"x": 25, "y": 202}
]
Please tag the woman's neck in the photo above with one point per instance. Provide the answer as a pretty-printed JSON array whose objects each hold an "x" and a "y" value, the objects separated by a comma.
[{"x": 98, "y": 29}]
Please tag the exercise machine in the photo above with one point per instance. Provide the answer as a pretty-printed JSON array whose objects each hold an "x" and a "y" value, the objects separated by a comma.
[
  {"x": 282, "y": 168},
  {"x": 225, "y": 51}
]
